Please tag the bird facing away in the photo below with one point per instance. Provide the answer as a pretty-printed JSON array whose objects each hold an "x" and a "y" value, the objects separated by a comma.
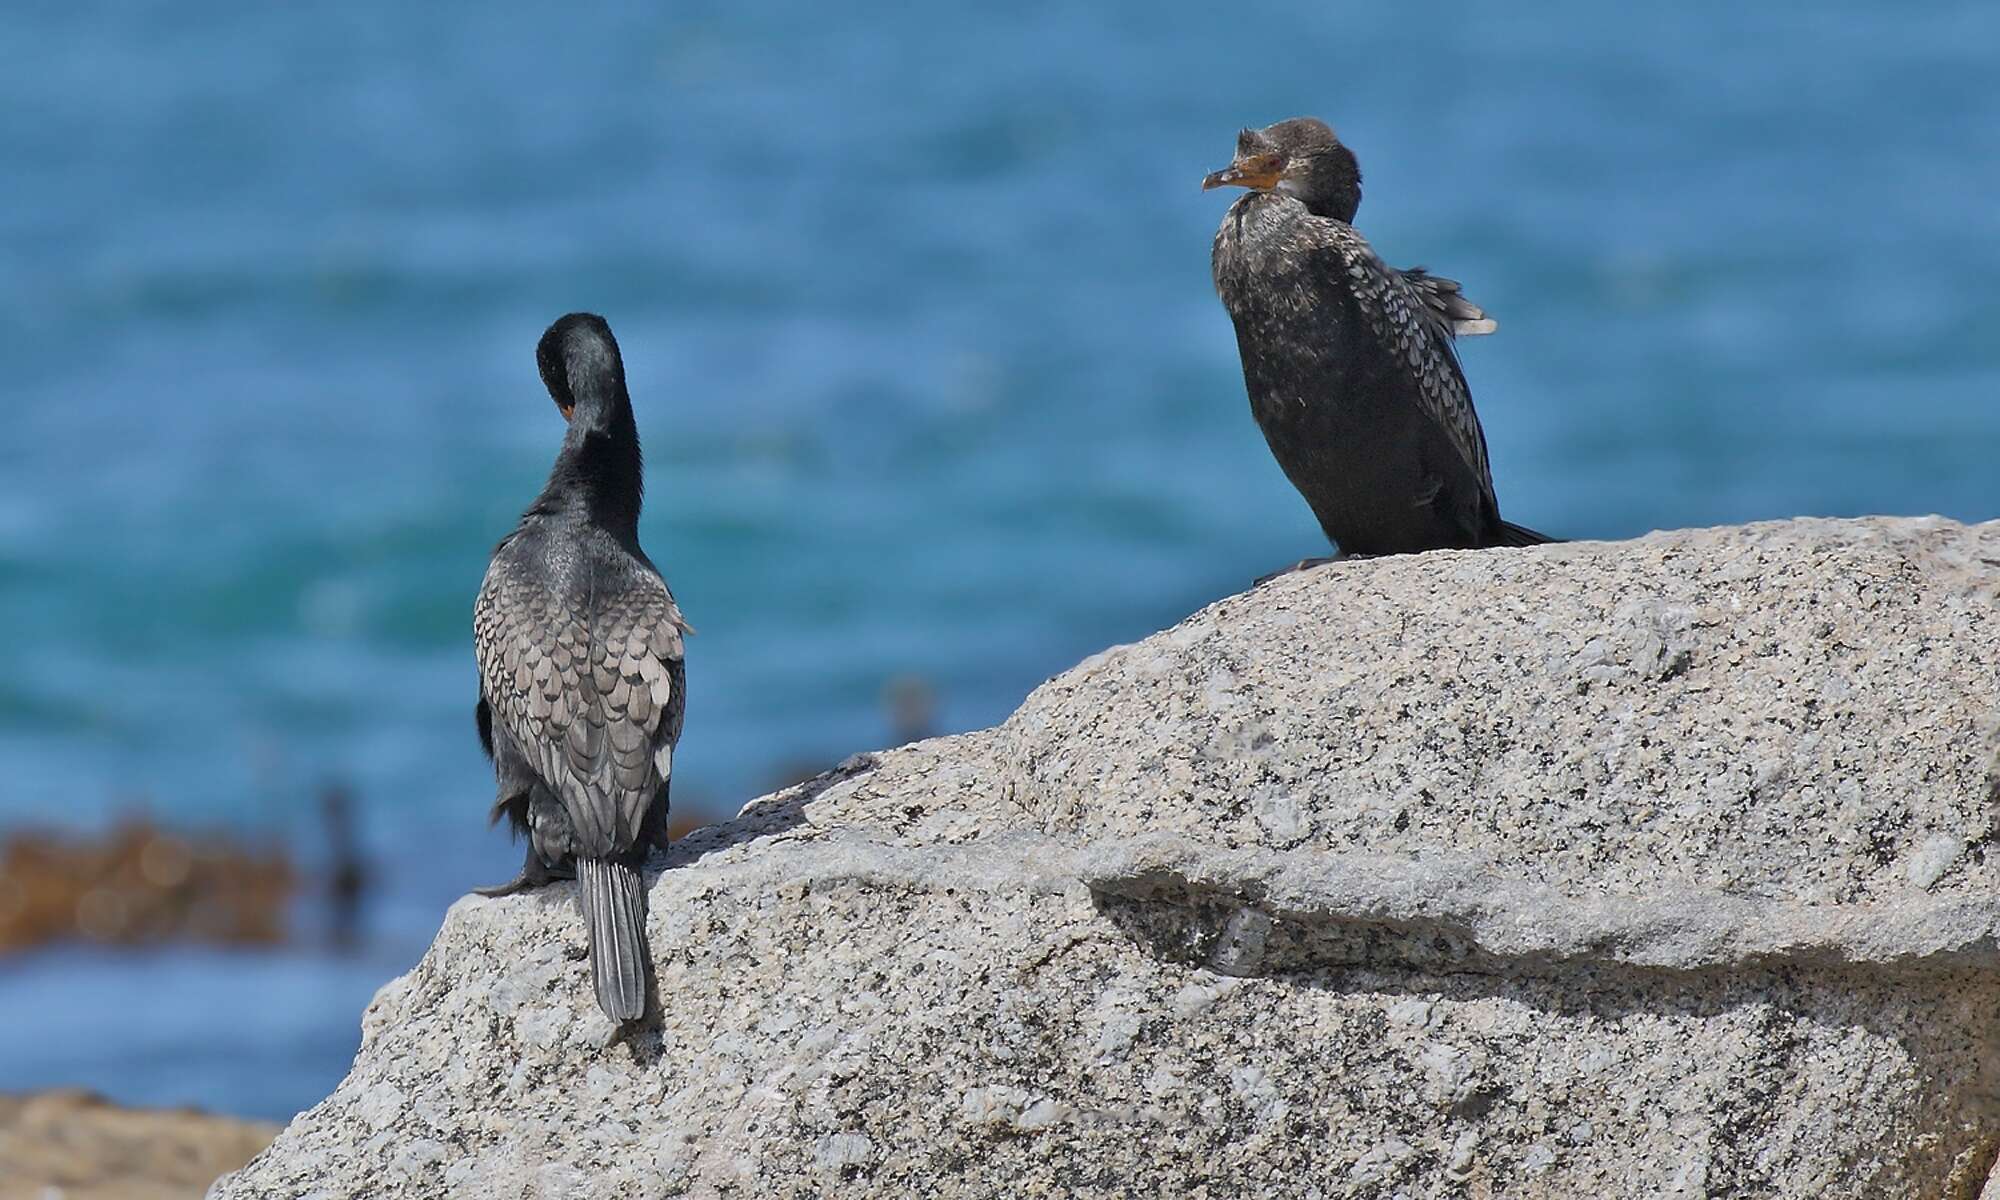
[
  {"x": 1349, "y": 363},
  {"x": 581, "y": 683}
]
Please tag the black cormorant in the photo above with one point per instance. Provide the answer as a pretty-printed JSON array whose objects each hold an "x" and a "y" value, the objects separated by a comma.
[
  {"x": 581, "y": 684},
  {"x": 1348, "y": 362}
]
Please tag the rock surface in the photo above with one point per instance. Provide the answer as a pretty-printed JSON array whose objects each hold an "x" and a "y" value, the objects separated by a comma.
[{"x": 1656, "y": 868}]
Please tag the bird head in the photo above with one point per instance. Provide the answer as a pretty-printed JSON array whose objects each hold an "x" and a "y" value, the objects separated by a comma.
[
  {"x": 580, "y": 363},
  {"x": 1300, "y": 158}
]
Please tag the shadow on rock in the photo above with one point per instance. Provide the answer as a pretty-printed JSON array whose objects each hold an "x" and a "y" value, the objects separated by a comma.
[{"x": 770, "y": 816}]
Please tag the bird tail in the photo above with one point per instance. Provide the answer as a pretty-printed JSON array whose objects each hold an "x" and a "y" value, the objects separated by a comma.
[
  {"x": 614, "y": 910},
  {"x": 1520, "y": 535}
]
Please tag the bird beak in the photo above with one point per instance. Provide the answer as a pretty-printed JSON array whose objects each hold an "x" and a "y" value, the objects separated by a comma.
[
  {"x": 566, "y": 410},
  {"x": 1259, "y": 171}
]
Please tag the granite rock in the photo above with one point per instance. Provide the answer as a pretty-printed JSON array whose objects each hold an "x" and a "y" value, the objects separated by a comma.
[{"x": 1653, "y": 868}]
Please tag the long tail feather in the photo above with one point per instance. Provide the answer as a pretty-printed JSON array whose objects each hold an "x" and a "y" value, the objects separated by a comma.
[{"x": 614, "y": 910}]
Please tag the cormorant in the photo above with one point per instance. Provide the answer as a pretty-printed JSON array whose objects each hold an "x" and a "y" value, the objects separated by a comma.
[
  {"x": 581, "y": 684},
  {"x": 1348, "y": 362}
]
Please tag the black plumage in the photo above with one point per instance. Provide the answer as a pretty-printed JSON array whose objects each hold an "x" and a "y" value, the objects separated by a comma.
[
  {"x": 581, "y": 682},
  {"x": 1348, "y": 362}
]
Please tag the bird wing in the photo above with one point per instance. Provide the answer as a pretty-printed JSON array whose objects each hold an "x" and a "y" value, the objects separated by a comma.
[
  {"x": 1448, "y": 305},
  {"x": 1403, "y": 315},
  {"x": 592, "y": 690}
]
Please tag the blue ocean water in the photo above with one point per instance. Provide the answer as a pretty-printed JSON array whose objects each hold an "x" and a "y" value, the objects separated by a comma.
[{"x": 916, "y": 314}]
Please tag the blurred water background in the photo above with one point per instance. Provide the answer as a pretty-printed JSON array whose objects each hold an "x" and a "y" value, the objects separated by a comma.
[{"x": 917, "y": 318}]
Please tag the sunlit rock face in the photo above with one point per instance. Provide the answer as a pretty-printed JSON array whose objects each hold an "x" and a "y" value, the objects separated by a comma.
[{"x": 1637, "y": 869}]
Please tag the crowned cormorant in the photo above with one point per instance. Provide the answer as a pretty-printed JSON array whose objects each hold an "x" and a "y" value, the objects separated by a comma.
[
  {"x": 581, "y": 685},
  {"x": 1348, "y": 362}
]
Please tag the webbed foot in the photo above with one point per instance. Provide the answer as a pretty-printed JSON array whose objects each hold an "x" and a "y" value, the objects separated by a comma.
[
  {"x": 1304, "y": 564},
  {"x": 534, "y": 874}
]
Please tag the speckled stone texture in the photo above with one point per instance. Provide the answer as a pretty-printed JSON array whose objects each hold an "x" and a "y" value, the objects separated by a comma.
[{"x": 1593, "y": 870}]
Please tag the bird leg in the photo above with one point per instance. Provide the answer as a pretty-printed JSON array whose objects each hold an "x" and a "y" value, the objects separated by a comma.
[{"x": 534, "y": 873}]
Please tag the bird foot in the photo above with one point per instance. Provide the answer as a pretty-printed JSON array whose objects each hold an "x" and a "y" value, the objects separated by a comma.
[
  {"x": 1304, "y": 564},
  {"x": 532, "y": 876}
]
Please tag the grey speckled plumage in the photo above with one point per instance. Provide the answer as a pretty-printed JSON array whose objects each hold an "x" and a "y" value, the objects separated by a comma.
[
  {"x": 582, "y": 685},
  {"x": 1447, "y": 304},
  {"x": 1348, "y": 362}
]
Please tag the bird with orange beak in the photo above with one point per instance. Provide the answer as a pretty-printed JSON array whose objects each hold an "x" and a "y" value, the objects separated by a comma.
[{"x": 1349, "y": 363}]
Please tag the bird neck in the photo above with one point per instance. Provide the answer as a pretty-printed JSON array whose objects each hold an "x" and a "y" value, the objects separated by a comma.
[
  {"x": 1330, "y": 186},
  {"x": 599, "y": 472},
  {"x": 1338, "y": 203}
]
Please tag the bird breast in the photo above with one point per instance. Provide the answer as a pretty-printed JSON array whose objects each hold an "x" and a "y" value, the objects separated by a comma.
[{"x": 1258, "y": 259}]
